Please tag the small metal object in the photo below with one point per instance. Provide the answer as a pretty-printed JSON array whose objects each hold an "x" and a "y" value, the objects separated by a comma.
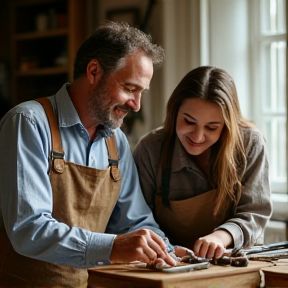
[
  {"x": 225, "y": 260},
  {"x": 233, "y": 261},
  {"x": 186, "y": 268}
]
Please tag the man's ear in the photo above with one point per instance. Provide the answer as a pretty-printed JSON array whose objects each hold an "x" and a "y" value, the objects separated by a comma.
[{"x": 94, "y": 71}]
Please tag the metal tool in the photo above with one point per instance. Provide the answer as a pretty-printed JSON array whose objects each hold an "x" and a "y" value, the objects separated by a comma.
[
  {"x": 260, "y": 249},
  {"x": 240, "y": 261},
  {"x": 186, "y": 268}
]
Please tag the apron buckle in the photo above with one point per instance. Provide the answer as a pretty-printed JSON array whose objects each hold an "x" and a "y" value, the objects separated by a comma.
[
  {"x": 115, "y": 173},
  {"x": 58, "y": 161}
]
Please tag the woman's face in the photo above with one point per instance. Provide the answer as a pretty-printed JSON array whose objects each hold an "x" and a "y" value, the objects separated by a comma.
[{"x": 199, "y": 125}]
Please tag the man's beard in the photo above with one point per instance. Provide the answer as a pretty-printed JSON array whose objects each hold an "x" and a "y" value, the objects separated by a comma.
[{"x": 100, "y": 107}]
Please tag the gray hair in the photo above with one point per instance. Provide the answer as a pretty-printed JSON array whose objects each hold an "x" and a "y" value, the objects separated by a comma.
[{"x": 110, "y": 43}]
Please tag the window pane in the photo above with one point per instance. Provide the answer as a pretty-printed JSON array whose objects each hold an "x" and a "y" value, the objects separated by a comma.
[
  {"x": 273, "y": 77},
  {"x": 275, "y": 133},
  {"x": 273, "y": 16},
  {"x": 272, "y": 88}
]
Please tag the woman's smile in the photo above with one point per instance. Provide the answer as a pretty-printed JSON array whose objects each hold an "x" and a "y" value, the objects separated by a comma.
[{"x": 194, "y": 144}]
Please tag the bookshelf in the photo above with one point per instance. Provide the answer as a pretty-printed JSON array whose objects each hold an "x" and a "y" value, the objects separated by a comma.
[{"x": 45, "y": 37}]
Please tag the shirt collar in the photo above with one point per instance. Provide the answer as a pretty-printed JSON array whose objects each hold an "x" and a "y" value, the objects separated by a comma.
[
  {"x": 181, "y": 159},
  {"x": 68, "y": 115}
]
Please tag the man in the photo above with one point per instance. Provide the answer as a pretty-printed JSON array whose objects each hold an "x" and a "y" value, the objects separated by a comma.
[{"x": 70, "y": 195}]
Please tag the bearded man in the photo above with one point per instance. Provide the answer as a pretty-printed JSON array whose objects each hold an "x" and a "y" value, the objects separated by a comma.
[{"x": 70, "y": 195}]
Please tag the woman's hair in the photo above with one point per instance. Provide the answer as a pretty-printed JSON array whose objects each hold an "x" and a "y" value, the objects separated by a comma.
[
  {"x": 110, "y": 43},
  {"x": 228, "y": 155}
]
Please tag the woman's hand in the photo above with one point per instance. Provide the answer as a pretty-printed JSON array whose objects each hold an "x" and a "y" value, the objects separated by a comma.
[{"x": 213, "y": 245}]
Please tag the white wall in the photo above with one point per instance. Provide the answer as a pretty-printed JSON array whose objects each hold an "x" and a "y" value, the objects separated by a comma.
[
  {"x": 229, "y": 44},
  {"x": 207, "y": 32}
]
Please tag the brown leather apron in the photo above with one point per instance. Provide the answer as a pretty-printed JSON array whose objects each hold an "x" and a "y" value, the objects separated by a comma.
[
  {"x": 83, "y": 197},
  {"x": 184, "y": 221}
]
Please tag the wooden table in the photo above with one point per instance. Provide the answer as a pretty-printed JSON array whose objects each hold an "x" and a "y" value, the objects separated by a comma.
[
  {"x": 276, "y": 276},
  {"x": 121, "y": 276}
]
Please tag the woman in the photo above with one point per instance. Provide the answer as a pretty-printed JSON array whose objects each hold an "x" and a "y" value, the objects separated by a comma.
[{"x": 205, "y": 173}]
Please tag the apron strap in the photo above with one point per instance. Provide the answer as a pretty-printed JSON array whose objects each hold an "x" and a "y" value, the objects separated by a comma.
[
  {"x": 165, "y": 170},
  {"x": 112, "y": 150},
  {"x": 113, "y": 158},
  {"x": 165, "y": 185},
  {"x": 57, "y": 153},
  {"x": 55, "y": 134}
]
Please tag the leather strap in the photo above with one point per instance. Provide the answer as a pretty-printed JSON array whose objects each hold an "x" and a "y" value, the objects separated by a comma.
[
  {"x": 113, "y": 158},
  {"x": 55, "y": 133},
  {"x": 57, "y": 153},
  {"x": 111, "y": 144}
]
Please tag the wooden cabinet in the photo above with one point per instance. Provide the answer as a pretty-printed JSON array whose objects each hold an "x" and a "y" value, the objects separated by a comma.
[{"x": 45, "y": 37}]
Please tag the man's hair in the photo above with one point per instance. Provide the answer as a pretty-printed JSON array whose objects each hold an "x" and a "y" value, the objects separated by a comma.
[{"x": 110, "y": 43}]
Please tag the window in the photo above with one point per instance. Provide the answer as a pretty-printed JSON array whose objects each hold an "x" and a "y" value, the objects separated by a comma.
[{"x": 269, "y": 86}]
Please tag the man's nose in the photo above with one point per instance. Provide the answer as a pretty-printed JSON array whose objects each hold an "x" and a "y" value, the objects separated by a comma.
[{"x": 135, "y": 102}]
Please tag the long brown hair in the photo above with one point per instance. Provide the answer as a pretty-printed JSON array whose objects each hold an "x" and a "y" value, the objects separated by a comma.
[{"x": 228, "y": 157}]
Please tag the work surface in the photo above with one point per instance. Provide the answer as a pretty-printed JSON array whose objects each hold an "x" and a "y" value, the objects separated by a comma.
[
  {"x": 276, "y": 276},
  {"x": 121, "y": 276}
]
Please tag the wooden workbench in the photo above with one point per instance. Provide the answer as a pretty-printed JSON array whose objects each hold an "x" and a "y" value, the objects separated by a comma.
[
  {"x": 121, "y": 276},
  {"x": 276, "y": 276}
]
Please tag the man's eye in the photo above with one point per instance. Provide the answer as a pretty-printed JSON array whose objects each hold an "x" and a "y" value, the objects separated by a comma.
[{"x": 128, "y": 90}]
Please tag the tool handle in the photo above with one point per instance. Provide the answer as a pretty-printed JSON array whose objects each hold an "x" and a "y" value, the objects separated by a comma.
[{"x": 233, "y": 261}]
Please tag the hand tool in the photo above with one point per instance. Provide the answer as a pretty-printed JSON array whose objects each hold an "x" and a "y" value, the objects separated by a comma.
[
  {"x": 260, "y": 249},
  {"x": 241, "y": 261}
]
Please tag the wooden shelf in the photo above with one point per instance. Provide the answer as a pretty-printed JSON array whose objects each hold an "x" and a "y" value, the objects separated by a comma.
[
  {"x": 39, "y": 35},
  {"x": 43, "y": 57},
  {"x": 43, "y": 71}
]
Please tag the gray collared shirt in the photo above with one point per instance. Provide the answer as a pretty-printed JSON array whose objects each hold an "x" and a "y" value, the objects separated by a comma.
[{"x": 254, "y": 209}]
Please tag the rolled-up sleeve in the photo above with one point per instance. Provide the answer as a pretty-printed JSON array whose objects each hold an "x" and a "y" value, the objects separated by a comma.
[{"x": 254, "y": 208}]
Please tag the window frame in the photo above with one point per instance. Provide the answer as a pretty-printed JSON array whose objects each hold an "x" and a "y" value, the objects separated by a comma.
[{"x": 258, "y": 42}]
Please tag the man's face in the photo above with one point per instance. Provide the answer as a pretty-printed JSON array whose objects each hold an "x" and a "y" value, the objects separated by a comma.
[{"x": 120, "y": 92}]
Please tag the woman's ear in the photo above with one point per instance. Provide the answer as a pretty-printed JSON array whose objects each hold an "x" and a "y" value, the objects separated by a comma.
[{"x": 94, "y": 71}]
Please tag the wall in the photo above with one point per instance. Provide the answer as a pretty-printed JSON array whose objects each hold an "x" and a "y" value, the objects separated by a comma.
[
  {"x": 229, "y": 44},
  {"x": 206, "y": 32}
]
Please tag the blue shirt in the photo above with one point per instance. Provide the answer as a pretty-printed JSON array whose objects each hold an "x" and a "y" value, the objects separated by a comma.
[{"x": 26, "y": 195}]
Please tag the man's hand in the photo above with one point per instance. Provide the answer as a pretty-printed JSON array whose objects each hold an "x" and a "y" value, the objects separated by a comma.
[
  {"x": 213, "y": 245},
  {"x": 141, "y": 245}
]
